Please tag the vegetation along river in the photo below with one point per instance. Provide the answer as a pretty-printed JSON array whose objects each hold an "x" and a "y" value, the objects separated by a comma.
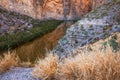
[{"x": 38, "y": 47}]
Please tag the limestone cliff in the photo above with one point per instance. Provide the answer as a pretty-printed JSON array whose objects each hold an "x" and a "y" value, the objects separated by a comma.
[{"x": 52, "y": 9}]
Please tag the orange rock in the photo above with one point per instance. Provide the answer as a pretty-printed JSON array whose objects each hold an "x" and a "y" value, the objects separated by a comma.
[{"x": 55, "y": 9}]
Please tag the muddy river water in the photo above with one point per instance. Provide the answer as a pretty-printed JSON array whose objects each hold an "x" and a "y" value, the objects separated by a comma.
[{"x": 38, "y": 47}]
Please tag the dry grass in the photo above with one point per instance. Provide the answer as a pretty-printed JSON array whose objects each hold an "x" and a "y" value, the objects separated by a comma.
[
  {"x": 7, "y": 61},
  {"x": 11, "y": 59},
  {"x": 26, "y": 64},
  {"x": 47, "y": 68},
  {"x": 94, "y": 65}
]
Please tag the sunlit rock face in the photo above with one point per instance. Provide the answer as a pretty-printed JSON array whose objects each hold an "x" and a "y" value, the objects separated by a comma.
[{"x": 51, "y": 9}]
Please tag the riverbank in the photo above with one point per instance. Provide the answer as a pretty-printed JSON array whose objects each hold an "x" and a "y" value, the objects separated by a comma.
[
  {"x": 10, "y": 41},
  {"x": 38, "y": 47},
  {"x": 17, "y": 29}
]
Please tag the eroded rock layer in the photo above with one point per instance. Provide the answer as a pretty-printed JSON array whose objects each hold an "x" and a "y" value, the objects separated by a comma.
[{"x": 51, "y": 9}]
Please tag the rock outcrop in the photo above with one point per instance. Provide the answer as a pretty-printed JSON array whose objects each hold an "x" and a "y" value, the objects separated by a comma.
[
  {"x": 52, "y": 9},
  {"x": 96, "y": 25}
]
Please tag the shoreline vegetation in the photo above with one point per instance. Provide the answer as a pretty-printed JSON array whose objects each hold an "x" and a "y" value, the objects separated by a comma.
[
  {"x": 11, "y": 41},
  {"x": 39, "y": 28}
]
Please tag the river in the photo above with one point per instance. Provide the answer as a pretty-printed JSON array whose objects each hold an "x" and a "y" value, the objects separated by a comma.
[{"x": 40, "y": 46}]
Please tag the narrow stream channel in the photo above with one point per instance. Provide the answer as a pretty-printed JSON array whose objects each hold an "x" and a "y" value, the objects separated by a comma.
[{"x": 37, "y": 48}]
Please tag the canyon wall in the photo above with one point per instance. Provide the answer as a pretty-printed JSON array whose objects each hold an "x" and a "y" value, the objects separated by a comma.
[{"x": 51, "y": 9}]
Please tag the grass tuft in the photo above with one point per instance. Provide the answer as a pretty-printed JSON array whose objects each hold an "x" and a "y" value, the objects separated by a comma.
[
  {"x": 7, "y": 61},
  {"x": 47, "y": 68}
]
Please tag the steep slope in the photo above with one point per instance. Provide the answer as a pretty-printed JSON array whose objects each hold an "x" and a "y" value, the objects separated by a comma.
[{"x": 96, "y": 25}]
